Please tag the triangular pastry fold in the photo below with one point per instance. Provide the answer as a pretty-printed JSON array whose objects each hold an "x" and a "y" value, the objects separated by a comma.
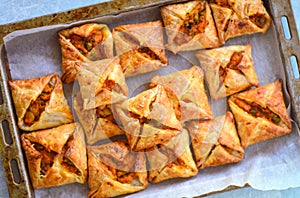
[
  {"x": 115, "y": 170},
  {"x": 215, "y": 142},
  {"x": 98, "y": 123},
  {"x": 88, "y": 42},
  {"x": 102, "y": 83},
  {"x": 56, "y": 156},
  {"x": 171, "y": 160},
  {"x": 149, "y": 118},
  {"x": 228, "y": 70},
  {"x": 140, "y": 47},
  {"x": 189, "y": 26},
  {"x": 260, "y": 113},
  {"x": 188, "y": 87},
  {"x": 40, "y": 103},
  {"x": 238, "y": 17}
]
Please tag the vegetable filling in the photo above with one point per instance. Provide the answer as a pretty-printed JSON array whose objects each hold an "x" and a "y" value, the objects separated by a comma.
[
  {"x": 259, "y": 20},
  {"x": 47, "y": 158},
  {"x": 194, "y": 23},
  {"x": 85, "y": 45},
  {"x": 235, "y": 60},
  {"x": 37, "y": 107},
  {"x": 257, "y": 111},
  {"x": 66, "y": 162}
]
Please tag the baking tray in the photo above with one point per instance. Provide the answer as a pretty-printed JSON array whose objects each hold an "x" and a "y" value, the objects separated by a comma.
[{"x": 17, "y": 179}]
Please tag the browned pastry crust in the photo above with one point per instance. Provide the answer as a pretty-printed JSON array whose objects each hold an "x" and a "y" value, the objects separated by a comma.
[
  {"x": 115, "y": 170},
  {"x": 88, "y": 42},
  {"x": 56, "y": 156},
  {"x": 102, "y": 83},
  {"x": 149, "y": 118},
  {"x": 189, "y": 26},
  {"x": 171, "y": 160},
  {"x": 40, "y": 103},
  {"x": 188, "y": 87},
  {"x": 140, "y": 47},
  {"x": 238, "y": 17},
  {"x": 260, "y": 113},
  {"x": 215, "y": 142},
  {"x": 98, "y": 123},
  {"x": 228, "y": 70}
]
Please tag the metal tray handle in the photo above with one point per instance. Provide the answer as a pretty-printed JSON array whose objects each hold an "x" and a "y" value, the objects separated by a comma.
[
  {"x": 10, "y": 147},
  {"x": 290, "y": 50}
]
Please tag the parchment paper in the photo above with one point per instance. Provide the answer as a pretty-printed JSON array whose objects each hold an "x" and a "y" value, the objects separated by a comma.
[{"x": 268, "y": 165}]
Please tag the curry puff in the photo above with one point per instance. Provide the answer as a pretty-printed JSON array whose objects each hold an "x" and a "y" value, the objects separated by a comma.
[
  {"x": 188, "y": 87},
  {"x": 238, "y": 17},
  {"x": 88, "y": 42},
  {"x": 228, "y": 70},
  {"x": 171, "y": 160},
  {"x": 260, "y": 113},
  {"x": 56, "y": 156},
  {"x": 215, "y": 142},
  {"x": 140, "y": 47},
  {"x": 189, "y": 26},
  {"x": 102, "y": 83},
  {"x": 115, "y": 170},
  {"x": 98, "y": 123},
  {"x": 149, "y": 118},
  {"x": 40, "y": 103}
]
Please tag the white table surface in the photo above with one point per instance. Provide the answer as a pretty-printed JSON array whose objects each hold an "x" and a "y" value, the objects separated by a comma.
[{"x": 17, "y": 10}]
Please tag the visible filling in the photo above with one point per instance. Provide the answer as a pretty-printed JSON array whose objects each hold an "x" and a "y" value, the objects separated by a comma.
[
  {"x": 194, "y": 23},
  {"x": 222, "y": 3},
  {"x": 259, "y": 20},
  {"x": 47, "y": 158},
  {"x": 86, "y": 44},
  {"x": 66, "y": 162},
  {"x": 105, "y": 112},
  {"x": 36, "y": 107},
  {"x": 148, "y": 53},
  {"x": 256, "y": 110},
  {"x": 128, "y": 178},
  {"x": 235, "y": 60}
]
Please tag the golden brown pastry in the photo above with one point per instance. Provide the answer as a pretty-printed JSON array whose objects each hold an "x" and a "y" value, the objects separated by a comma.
[
  {"x": 149, "y": 118},
  {"x": 101, "y": 83},
  {"x": 188, "y": 87},
  {"x": 260, "y": 113},
  {"x": 189, "y": 26},
  {"x": 171, "y": 160},
  {"x": 140, "y": 47},
  {"x": 215, "y": 142},
  {"x": 40, "y": 103},
  {"x": 98, "y": 123},
  {"x": 238, "y": 17},
  {"x": 56, "y": 156},
  {"x": 87, "y": 42},
  {"x": 115, "y": 170},
  {"x": 228, "y": 70}
]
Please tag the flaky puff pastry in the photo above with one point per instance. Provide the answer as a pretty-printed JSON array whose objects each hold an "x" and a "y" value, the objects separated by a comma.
[
  {"x": 115, "y": 170},
  {"x": 260, "y": 113},
  {"x": 149, "y": 118},
  {"x": 98, "y": 123},
  {"x": 188, "y": 87},
  {"x": 140, "y": 47},
  {"x": 228, "y": 70},
  {"x": 40, "y": 103},
  {"x": 171, "y": 160},
  {"x": 215, "y": 142},
  {"x": 56, "y": 156},
  {"x": 189, "y": 26},
  {"x": 88, "y": 42},
  {"x": 239, "y": 17},
  {"x": 102, "y": 82}
]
